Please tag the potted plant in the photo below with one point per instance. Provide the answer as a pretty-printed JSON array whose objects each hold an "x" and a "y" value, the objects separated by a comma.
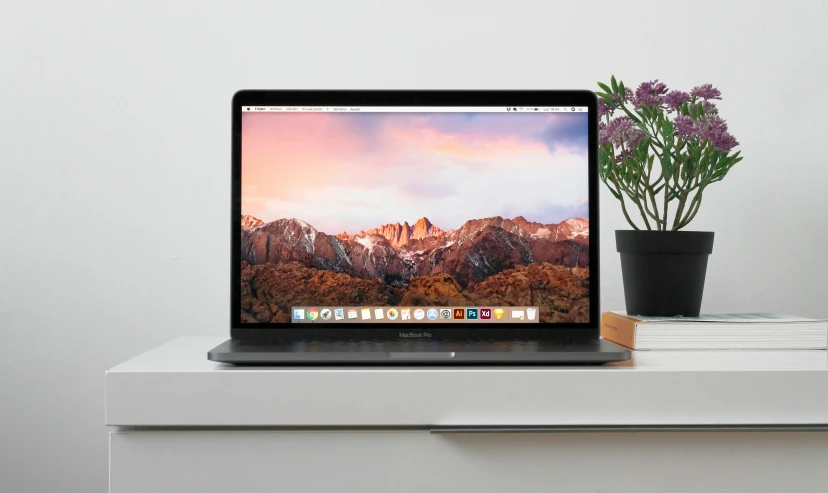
[{"x": 659, "y": 150}]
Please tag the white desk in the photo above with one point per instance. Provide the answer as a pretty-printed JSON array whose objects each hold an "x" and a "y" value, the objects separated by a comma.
[{"x": 668, "y": 422}]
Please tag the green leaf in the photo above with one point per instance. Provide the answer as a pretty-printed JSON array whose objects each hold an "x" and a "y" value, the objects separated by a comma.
[
  {"x": 640, "y": 154},
  {"x": 644, "y": 145},
  {"x": 666, "y": 165},
  {"x": 614, "y": 84},
  {"x": 605, "y": 87},
  {"x": 633, "y": 117},
  {"x": 621, "y": 89},
  {"x": 704, "y": 164}
]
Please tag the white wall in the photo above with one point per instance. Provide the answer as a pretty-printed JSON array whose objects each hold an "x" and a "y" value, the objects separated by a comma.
[{"x": 115, "y": 153}]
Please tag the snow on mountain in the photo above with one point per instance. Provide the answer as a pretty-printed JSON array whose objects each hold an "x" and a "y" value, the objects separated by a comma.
[
  {"x": 310, "y": 232},
  {"x": 395, "y": 253},
  {"x": 366, "y": 241},
  {"x": 250, "y": 222},
  {"x": 577, "y": 224},
  {"x": 574, "y": 228}
]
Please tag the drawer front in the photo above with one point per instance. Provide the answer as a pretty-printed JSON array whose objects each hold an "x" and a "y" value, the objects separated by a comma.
[
  {"x": 467, "y": 397},
  {"x": 417, "y": 461}
]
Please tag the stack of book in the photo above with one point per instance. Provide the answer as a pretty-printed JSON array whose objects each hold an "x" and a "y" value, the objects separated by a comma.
[{"x": 725, "y": 331}]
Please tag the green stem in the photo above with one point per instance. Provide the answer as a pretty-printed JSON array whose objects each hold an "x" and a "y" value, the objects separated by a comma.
[
  {"x": 649, "y": 192},
  {"x": 666, "y": 204},
  {"x": 692, "y": 210},
  {"x": 623, "y": 205},
  {"x": 643, "y": 215},
  {"x": 638, "y": 194},
  {"x": 677, "y": 219},
  {"x": 655, "y": 209},
  {"x": 644, "y": 194}
]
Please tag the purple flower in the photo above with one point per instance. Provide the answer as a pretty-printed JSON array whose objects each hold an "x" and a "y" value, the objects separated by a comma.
[
  {"x": 709, "y": 127},
  {"x": 617, "y": 128},
  {"x": 603, "y": 109},
  {"x": 634, "y": 137},
  {"x": 684, "y": 126},
  {"x": 725, "y": 142},
  {"x": 675, "y": 99},
  {"x": 621, "y": 155},
  {"x": 714, "y": 130},
  {"x": 706, "y": 91},
  {"x": 707, "y": 106},
  {"x": 621, "y": 131},
  {"x": 603, "y": 136},
  {"x": 650, "y": 94}
]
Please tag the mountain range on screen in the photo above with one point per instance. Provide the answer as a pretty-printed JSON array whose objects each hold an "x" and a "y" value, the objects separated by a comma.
[{"x": 418, "y": 264}]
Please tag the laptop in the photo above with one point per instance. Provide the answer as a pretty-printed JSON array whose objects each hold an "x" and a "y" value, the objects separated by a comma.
[{"x": 415, "y": 228}]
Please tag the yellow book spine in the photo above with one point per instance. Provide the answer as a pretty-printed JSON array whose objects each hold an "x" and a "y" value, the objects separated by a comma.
[{"x": 618, "y": 329}]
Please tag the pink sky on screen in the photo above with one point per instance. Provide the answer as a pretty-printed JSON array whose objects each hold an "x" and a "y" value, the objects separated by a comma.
[{"x": 355, "y": 171}]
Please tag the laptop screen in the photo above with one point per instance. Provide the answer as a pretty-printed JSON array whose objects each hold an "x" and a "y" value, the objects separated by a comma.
[{"x": 473, "y": 215}]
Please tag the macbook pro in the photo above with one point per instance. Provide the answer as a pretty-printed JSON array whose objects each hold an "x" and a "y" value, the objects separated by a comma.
[{"x": 415, "y": 227}]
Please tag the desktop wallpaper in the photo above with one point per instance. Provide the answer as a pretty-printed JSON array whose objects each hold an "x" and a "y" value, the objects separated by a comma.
[{"x": 414, "y": 209}]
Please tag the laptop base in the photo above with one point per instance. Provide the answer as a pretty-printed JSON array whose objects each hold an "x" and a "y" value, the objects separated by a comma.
[{"x": 417, "y": 353}]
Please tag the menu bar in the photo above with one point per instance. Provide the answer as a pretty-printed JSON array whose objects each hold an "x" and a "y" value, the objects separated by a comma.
[
  {"x": 413, "y": 109},
  {"x": 415, "y": 314}
]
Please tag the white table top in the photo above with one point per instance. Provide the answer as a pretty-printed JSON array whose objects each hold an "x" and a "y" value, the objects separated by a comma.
[{"x": 175, "y": 385}]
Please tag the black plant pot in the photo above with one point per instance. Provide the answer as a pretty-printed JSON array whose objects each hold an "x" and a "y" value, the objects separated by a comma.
[{"x": 664, "y": 271}]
